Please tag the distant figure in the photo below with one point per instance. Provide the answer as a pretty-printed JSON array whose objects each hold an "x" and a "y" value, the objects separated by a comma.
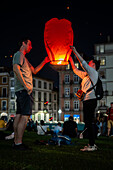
[
  {"x": 70, "y": 128},
  {"x": 110, "y": 118},
  {"x": 58, "y": 128},
  {"x": 2, "y": 123},
  {"x": 41, "y": 128}
]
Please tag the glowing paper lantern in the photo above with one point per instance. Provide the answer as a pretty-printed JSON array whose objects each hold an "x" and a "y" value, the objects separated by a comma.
[{"x": 58, "y": 37}]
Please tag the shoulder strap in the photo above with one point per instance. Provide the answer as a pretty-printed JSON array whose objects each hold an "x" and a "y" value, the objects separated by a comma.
[
  {"x": 42, "y": 128},
  {"x": 92, "y": 85}
]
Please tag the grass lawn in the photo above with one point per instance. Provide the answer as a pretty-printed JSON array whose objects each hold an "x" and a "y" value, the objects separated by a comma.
[{"x": 43, "y": 157}]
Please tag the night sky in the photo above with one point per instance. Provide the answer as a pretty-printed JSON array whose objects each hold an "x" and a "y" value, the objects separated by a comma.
[{"x": 91, "y": 23}]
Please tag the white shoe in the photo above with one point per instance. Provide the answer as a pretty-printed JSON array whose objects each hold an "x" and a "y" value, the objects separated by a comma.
[
  {"x": 9, "y": 137},
  {"x": 89, "y": 148}
]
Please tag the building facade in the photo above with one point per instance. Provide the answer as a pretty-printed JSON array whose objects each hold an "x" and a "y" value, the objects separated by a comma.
[
  {"x": 45, "y": 100},
  {"x": 4, "y": 91},
  {"x": 104, "y": 53}
]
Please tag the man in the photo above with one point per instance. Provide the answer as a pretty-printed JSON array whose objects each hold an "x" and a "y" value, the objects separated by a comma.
[
  {"x": 89, "y": 101},
  {"x": 110, "y": 118},
  {"x": 70, "y": 128},
  {"x": 23, "y": 87}
]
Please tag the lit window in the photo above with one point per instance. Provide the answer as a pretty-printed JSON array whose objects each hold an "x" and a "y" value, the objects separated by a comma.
[
  {"x": 68, "y": 67},
  {"x": 103, "y": 62},
  {"x": 67, "y": 92},
  {"x": 77, "y": 65},
  {"x": 101, "y": 48}
]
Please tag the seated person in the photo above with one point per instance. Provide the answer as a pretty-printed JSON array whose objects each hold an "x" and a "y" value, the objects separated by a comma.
[
  {"x": 110, "y": 118},
  {"x": 58, "y": 128},
  {"x": 41, "y": 128},
  {"x": 70, "y": 128},
  {"x": 2, "y": 128}
]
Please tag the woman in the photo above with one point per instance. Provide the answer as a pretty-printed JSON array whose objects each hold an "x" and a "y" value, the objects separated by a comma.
[{"x": 89, "y": 101}]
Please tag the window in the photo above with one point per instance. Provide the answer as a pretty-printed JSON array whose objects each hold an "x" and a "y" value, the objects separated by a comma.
[
  {"x": 45, "y": 85},
  {"x": 50, "y": 107},
  {"x": 12, "y": 83},
  {"x": 67, "y": 105},
  {"x": 13, "y": 106},
  {"x": 49, "y": 97},
  {"x": 75, "y": 90},
  {"x": 39, "y": 84},
  {"x": 77, "y": 65},
  {"x": 54, "y": 106},
  {"x": 39, "y": 96},
  {"x": 34, "y": 83},
  {"x": 54, "y": 96},
  {"x": 50, "y": 86},
  {"x": 75, "y": 78},
  {"x": 12, "y": 94},
  {"x": 101, "y": 48},
  {"x": 67, "y": 92},
  {"x": 76, "y": 105},
  {"x": 4, "y": 80},
  {"x": 4, "y": 92},
  {"x": 67, "y": 79},
  {"x": 39, "y": 106},
  {"x": 4, "y": 105},
  {"x": 103, "y": 62},
  {"x": 45, "y": 97},
  {"x": 68, "y": 67}
]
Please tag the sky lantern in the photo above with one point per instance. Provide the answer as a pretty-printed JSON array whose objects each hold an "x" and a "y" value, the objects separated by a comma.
[{"x": 58, "y": 37}]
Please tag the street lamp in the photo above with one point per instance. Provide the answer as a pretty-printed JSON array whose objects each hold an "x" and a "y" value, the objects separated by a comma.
[{"x": 59, "y": 111}]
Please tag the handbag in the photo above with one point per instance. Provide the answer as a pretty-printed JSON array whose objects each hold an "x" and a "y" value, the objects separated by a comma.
[{"x": 80, "y": 94}]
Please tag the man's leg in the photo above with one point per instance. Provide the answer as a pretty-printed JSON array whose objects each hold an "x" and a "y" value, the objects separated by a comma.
[
  {"x": 109, "y": 127},
  {"x": 21, "y": 128},
  {"x": 16, "y": 122}
]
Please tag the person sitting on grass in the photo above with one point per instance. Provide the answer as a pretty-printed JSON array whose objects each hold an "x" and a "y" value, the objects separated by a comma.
[{"x": 41, "y": 128}]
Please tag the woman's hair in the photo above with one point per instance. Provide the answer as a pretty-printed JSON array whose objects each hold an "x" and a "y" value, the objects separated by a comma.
[{"x": 97, "y": 64}]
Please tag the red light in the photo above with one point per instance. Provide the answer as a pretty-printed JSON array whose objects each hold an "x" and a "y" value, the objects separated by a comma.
[
  {"x": 58, "y": 37},
  {"x": 46, "y": 102}
]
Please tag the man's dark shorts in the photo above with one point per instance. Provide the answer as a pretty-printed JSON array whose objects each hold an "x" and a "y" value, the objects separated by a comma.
[{"x": 24, "y": 103}]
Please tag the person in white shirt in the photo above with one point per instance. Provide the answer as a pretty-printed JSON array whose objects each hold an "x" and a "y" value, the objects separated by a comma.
[
  {"x": 89, "y": 101},
  {"x": 41, "y": 129}
]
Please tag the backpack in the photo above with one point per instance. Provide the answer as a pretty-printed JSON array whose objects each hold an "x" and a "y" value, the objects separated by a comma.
[{"x": 98, "y": 90}]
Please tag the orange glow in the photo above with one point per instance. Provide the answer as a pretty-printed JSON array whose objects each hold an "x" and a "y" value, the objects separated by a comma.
[{"x": 58, "y": 37}]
